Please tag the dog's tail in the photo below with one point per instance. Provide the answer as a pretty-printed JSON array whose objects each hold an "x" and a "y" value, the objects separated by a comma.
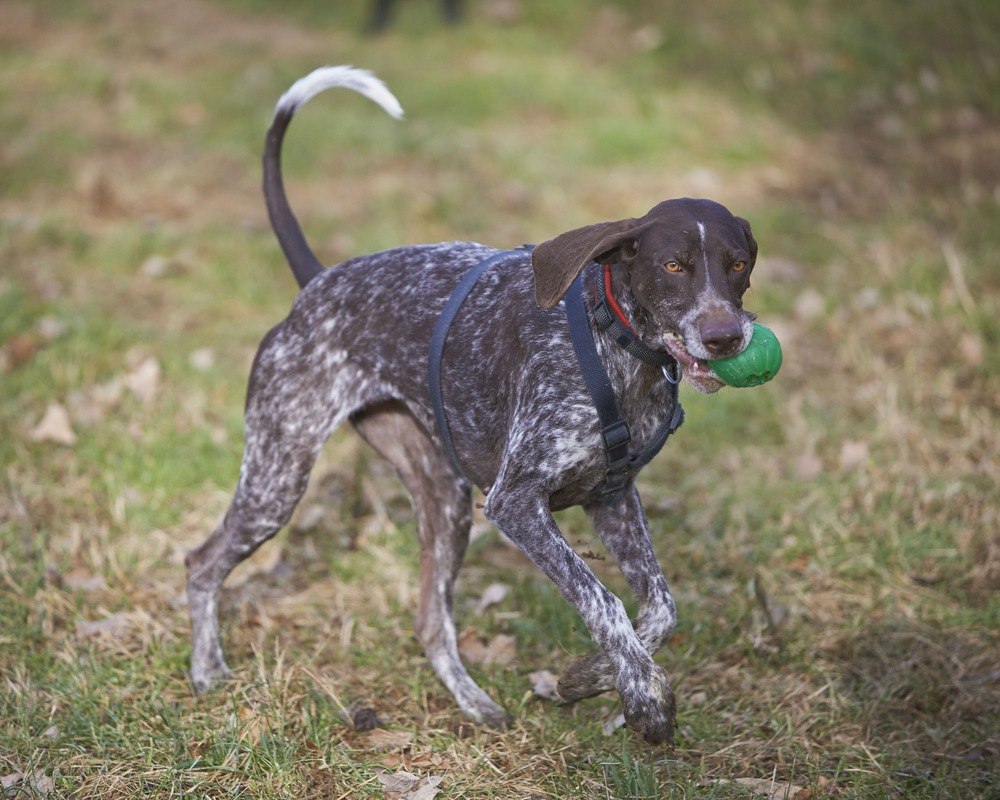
[{"x": 301, "y": 258}]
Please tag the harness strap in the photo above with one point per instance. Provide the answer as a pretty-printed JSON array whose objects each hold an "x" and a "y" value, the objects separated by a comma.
[
  {"x": 615, "y": 434},
  {"x": 614, "y": 430},
  {"x": 637, "y": 461},
  {"x": 440, "y": 334}
]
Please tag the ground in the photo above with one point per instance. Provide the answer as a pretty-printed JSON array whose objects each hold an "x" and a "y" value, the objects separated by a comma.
[{"x": 831, "y": 537}]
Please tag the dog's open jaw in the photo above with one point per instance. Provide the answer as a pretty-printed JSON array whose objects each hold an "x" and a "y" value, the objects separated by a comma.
[
  {"x": 696, "y": 371},
  {"x": 693, "y": 356},
  {"x": 695, "y": 364},
  {"x": 687, "y": 347}
]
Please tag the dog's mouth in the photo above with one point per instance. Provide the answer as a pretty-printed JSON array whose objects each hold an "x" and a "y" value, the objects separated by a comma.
[{"x": 697, "y": 372}]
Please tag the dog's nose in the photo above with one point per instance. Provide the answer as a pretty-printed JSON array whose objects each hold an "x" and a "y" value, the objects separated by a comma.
[{"x": 722, "y": 334}]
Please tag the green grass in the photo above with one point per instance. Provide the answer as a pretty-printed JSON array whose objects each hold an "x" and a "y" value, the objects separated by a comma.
[{"x": 830, "y": 538}]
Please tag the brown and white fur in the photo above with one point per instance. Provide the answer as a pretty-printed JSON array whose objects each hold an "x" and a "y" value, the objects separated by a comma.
[{"x": 354, "y": 348}]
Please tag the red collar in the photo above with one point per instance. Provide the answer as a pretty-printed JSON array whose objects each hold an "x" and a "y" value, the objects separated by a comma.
[{"x": 609, "y": 295}]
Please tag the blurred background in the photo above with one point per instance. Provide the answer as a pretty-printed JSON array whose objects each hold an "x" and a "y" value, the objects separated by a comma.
[{"x": 832, "y": 537}]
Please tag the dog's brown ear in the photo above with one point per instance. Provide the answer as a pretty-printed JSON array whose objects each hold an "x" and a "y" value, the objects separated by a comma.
[
  {"x": 751, "y": 242},
  {"x": 557, "y": 262}
]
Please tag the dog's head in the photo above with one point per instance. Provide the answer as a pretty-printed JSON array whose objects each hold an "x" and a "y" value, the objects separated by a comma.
[{"x": 688, "y": 264}]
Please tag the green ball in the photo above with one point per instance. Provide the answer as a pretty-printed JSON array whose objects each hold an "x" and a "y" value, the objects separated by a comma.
[{"x": 757, "y": 364}]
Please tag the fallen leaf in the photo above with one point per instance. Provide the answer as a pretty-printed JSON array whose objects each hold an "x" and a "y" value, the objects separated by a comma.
[
  {"x": 404, "y": 785},
  {"x": 91, "y": 406},
  {"x": 545, "y": 685},
  {"x": 427, "y": 760},
  {"x": 766, "y": 787},
  {"x": 50, "y": 328},
  {"x": 144, "y": 380},
  {"x": 202, "y": 359},
  {"x": 970, "y": 348},
  {"x": 383, "y": 741},
  {"x": 11, "y": 780},
  {"x": 156, "y": 266},
  {"x": 808, "y": 466},
  {"x": 501, "y": 649},
  {"x": 55, "y": 427},
  {"x": 113, "y": 626},
  {"x": 397, "y": 782},
  {"x": 426, "y": 790},
  {"x": 83, "y": 581},
  {"x": 255, "y": 725},
  {"x": 866, "y": 299},
  {"x": 31, "y": 785},
  {"x": 493, "y": 594},
  {"x": 308, "y": 518},
  {"x": 697, "y": 699},
  {"x": 393, "y": 760},
  {"x": 809, "y": 304},
  {"x": 853, "y": 454},
  {"x": 646, "y": 38},
  {"x": 782, "y": 269},
  {"x": 503, "y": 11}
]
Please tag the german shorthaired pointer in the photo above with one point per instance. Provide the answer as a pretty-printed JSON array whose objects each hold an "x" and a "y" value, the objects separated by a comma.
[{"x": 355, "y": 347}]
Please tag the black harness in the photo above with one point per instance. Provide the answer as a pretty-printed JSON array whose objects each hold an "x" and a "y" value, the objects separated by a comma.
[{"x": 615, "y": 432}]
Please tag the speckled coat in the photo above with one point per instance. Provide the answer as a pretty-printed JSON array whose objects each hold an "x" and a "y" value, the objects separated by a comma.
[{"x": 355, "y": 347}]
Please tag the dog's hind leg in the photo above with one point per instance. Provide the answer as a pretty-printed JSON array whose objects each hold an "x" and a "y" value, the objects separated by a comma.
[
  {"x": 442, "y": 503},
  {"x": 297, "y": 394},
  {"x": 621, "y": 524}
]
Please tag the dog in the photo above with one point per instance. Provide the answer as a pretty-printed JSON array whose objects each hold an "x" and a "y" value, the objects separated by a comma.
[{"x": 354, "y": 348}]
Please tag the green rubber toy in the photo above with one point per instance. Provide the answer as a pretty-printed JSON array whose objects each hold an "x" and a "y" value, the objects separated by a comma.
[{"x": 758, "y": 363}]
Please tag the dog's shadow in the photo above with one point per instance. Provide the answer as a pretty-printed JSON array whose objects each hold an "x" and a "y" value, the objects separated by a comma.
[{"x": 926, "y": 695}]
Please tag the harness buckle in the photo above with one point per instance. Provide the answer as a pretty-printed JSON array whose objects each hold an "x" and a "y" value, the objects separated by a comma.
[{"x": 616, "y": 441}]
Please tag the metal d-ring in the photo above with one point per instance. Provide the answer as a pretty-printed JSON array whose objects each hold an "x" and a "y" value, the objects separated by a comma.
[{"x": 678, "y": 373}]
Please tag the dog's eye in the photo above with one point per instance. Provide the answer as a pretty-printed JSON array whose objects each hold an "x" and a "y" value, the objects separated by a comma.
[
  {"x": 739, "y": 266},
  {"x": 673, "y": 266}
]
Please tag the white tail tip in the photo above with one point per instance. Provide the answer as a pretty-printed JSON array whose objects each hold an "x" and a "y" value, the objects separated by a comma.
[{"x": 319, "y": 80}]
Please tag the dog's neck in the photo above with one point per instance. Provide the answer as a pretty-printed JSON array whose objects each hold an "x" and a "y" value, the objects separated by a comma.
[
  {"x": 621, "y": 291},
  {"x": 632, "y": 314},
  {"x": 629, "y": 312},
  {"x": 635, "y": 382}
]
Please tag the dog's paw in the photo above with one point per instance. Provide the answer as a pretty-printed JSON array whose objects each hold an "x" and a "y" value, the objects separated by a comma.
[
  {"x": 206, "y": 677},
  {"x": 586, "y": 676},
  {"x": 491, "y": 715},
  {"x": 499, "y": 719},
  {"x": 479, "y": 707},
  {"x": 650, "y": 709}
]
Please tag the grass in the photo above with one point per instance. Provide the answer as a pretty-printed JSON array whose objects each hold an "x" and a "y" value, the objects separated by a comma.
[{"x": 831, "y": 538}]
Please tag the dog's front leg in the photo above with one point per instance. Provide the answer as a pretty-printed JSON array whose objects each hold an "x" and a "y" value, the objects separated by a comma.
[
  {"x": 647, "y": 700},
  {"x": 621, "y": 523}
]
